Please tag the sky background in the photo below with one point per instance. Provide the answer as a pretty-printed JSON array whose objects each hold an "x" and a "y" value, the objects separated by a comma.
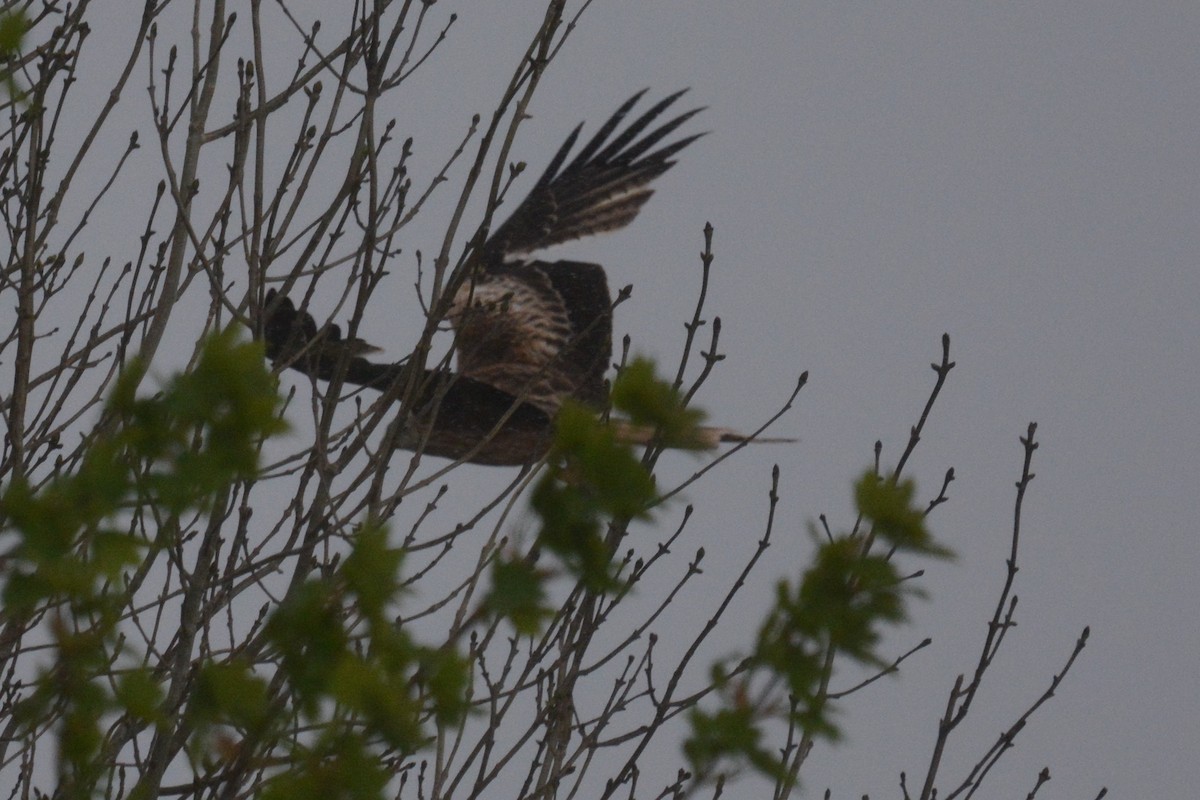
[{"x": 1022, "y": 176}]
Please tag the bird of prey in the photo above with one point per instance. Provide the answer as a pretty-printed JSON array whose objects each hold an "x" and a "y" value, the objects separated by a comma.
[{"x": 529, "y": 334}]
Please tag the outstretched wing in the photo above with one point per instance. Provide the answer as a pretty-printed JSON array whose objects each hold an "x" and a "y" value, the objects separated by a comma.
[
  {"x": 602, "y": 189},
  {"x": 540, "y": 330}
]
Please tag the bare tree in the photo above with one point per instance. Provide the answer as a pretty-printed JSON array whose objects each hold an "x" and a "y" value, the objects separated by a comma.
[{"x": 194, "y": 608}]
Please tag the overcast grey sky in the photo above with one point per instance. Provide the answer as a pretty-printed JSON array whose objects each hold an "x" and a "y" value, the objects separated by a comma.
[{"x": 1023, "y": 176}]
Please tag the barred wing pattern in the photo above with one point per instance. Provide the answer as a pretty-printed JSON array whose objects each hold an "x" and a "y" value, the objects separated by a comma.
[{"x": 601, "y": 190}]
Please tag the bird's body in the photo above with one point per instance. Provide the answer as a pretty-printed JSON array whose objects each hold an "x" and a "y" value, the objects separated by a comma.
[
  {"x": 538, "y": 330},
  {"x": 529, "y": 334}
]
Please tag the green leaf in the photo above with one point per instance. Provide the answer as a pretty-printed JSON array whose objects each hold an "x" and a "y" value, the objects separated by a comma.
[
  {"x": 230, "y": 692},
  {"x": 518, "y": 594},
  {"x": 381, "y": 698},
  {"x": 343, "y": 767},
  {"x": 13, "y": 26},
  {"x": 448, "y": 678},
  {"x": 655, "y": 403},
  {"x": 114, "y": 550},
  {"x": 571, "y": 529},
  {"x": 729, "y": 733},
  {"x": 889, "y": 506},
  {"x": 140, "y": 695},
  {"x": 592, "y": 479},
  {"x": 615, "y": 480},
  {"x": 372, "y": 570},
  {"x": 307, "y": 629}
]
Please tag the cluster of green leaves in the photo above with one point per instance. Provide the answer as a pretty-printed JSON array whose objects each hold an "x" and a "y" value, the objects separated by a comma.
[
  {"x": 175, "y": 451},
  {"x": 355, "y": 676},
  {"x": 13, "y": 25},
  {"x": 357, "y": 679},
  {"x": 593, "y": 478},
  {"x": 656, "y": 404},
  {"x": 840, "y": 605}
]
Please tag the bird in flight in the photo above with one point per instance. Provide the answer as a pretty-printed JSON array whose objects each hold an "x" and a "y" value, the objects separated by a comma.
[{"x": 529, "y": 334}]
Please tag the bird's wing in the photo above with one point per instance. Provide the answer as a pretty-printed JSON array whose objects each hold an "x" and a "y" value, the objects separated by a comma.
[
  {"x": 539, "y": 330},
  {"x": 602, "y": 189},
  {"x": 453, "y": 415}
]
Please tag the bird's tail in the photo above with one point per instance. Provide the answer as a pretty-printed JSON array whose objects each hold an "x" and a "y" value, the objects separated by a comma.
[{"x": 702, "y": 437}]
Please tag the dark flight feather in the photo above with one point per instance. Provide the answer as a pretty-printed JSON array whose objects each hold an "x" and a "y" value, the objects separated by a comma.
[{"x": 602, "y": 189}]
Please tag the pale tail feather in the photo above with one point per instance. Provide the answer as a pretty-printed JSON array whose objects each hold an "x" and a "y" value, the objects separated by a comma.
[{"x": 706, "y": 438}]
